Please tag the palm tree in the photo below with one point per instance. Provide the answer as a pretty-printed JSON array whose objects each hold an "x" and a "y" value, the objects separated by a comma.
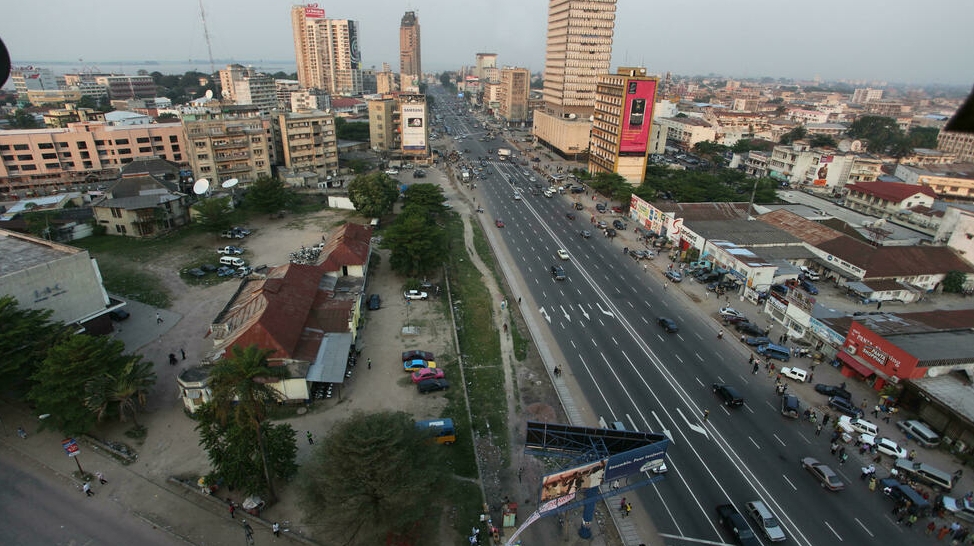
[
  {"x": 240, "y": 389},
  {"x": 125, "y": 390}
]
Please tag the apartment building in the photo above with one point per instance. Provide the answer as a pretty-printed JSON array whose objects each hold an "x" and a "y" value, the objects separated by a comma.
[
  {"x": 868, "y": 94},
  {"x": 957, "y": 143},
  {"x": 622, "y": 123},
  {"x": 954, "y": 180},
  {"x": 223, "y": 146},
  {"x": 307, "y": 142},
  {"x": 801, "y": 164},
  {"x": 686, "y": 132},
  {"x": 383, "y": 122},
  {"x": 258, "y": 90},
  {"x": 81, "y": 155},
  {"x": 61, "y": 117},
  {"x": 887, "y": 199},
  {"x": 128, "y": 87},
  {"x": 283, "y": 90},
  {"x": 309, "y": 99},
  {"x": 327, "y": 51},
  {"x": 511, "y": 95}
]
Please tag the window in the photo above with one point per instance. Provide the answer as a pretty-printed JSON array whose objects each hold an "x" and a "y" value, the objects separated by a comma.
[
  {"x": 87, "y": 165},
  {"x": 8, "y": 158},
  {"x": 68, "y": 165},
  {"x": 145, "y": 149},
  {"x": 82, "y": 145},
  {"x": 124, "y": 151},
  {"x": 173, "y": 138},
  {"x": 49, "y": 156},
  {"x": 21, "y": 147},
  {"x": 116, "y": 212},
  {"x": 45, "y": 146},
  {"x": 4, "y": 147},
  {"x": 29, "y": 167},
  {"x": 99, "y": 143},
  {"x": 142, "y": 140},
  {"x": 25, "y": 157},
  {"x": 121, "y": 141},
  {"x": 85, "y": 155},
  {"x": 157, "y": 139},
  {"x": 62, "y": 144},
  {"x": 52, "y": 166},
  {"x": 120, "y": 229}
]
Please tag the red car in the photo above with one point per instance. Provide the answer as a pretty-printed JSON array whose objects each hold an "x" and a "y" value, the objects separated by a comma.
[
  {"x": 427, "y": 373},
  {"x": 499, "y": 223}
]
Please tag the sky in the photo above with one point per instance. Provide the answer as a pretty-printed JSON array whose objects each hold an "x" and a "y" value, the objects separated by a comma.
[{"x": 925, "y": 42}]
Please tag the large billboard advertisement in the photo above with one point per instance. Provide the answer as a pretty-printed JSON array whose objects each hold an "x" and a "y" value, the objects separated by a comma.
[
  {"x": 570, "y": 482},
  {"x": 636, "y": 461},
  {"x": 414, "y": 127},
  {"x": 354, "y": 53},
  {"x": 312, "y": 11},
  {"x": 637, "y": 117}
]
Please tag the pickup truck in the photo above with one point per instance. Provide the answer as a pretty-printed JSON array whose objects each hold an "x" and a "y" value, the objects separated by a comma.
[
  {"x": 230, "y": 250},
  {"x": 797, "y": 374},
  {"x": 734, "y": 522}
]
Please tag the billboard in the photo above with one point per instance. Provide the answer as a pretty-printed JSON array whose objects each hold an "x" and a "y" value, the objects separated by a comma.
[
  {"x": 312, "y": 11},
  {"x": 354, "y": 54},
  {"x": 414, "y": 127},
  {"x": 637, "y": 117},
  {"x": 636, "y": 461},
  {"x": 569, "y": 482}
]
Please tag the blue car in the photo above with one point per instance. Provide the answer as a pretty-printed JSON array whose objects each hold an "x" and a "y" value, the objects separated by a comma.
[
  {"x": 808, "y": 287},
  {"x": 413, "y": 365}
]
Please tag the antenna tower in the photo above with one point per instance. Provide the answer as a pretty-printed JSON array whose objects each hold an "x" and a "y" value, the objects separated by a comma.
[{"x": 206, "y": 36}]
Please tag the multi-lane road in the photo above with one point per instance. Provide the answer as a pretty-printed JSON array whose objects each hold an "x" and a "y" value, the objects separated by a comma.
[{"x": 603, "y": 318}]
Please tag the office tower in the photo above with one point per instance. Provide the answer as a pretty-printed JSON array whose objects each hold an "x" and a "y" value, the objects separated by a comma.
[
  {"x": 621, "y": 125},
  {"x": 579, "y": 49},
  {"x": 410, "y": 64},
  {"x": 513, "y": 94},
  {"x": 326, "y": 51},
  {"x": 485, "y": 61}
]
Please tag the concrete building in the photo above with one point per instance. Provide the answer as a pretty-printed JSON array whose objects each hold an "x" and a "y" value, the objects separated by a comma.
[
  {"x": 413, "y": 127},
  {"x": 61, "y": 117},
  {"x": 512, "y": 95},
  {"x": 886, "y": 199},
  {"x": 43, "y": 275},
  {"x": 43, "y": 97},
  {"x": 684, "y": 133},
  {"x": 484, "y": 62},
  {"x": 121, "y": 117},
  {"x": 957, "y": 143},
  {"x": 578, "y": 50},
  {"x": 29, "y": 78},
  {"x": 410, "y": 58},
  {"x": 82, "y": 155},
  {"x": 800, "y": 164},
  {"x": 224, "y": 146},
  {"x": 383, "y": 123},
  {"x": 949, "y": 180},
  {"x": 385, "y": 82},
  {"x": 327, "y": 51},
  {"x": 307, "y": 142},
  {"x": 862, "y": 96},
  {"x": 140, "y": 205},
  {"x": 623, "y": 119},
  {"x": 245, "y": 86},
  {"x": 283, "y": 89},
  {"x": 309, "y": 99},
  {"x": 128, "y": 87},
  {"x": 229, "y": 77}
]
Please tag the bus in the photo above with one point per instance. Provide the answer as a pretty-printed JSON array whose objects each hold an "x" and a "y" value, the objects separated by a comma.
[{"x": 440, "y": 430}]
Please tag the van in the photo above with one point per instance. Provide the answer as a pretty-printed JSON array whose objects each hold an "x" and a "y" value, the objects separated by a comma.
[
  {"x": 901, "y": 492},
  {"x": 859, "y": 425},
  {"x": 919, "y": 432},
  {"x": 925, "y": 473},
  {"x": 772, "y": 350},
  {"x": 232, "y": 261}
]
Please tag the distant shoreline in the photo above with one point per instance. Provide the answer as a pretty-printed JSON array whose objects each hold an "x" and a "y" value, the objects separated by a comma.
[{"x": 166, "y": 67}]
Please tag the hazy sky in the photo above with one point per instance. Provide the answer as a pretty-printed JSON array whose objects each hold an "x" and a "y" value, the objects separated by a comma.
[{"x": 928, "y": 41}]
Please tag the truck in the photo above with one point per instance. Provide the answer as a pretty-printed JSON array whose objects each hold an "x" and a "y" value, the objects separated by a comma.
[
  {"x": 465, "y": 175},
  {"x": 503, "y": 153}
]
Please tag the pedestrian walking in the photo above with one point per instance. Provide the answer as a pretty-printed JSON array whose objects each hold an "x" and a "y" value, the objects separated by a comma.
[
  {"x": 913, "y": 454},
  {"x": 872, "y": 483},
  {"x": 276, "y": 528},
  {"x": 172, "y": 359},
  {"x": 622, "y": 504},
  {"x": 158, "y": 318},
  {"x": 931, "y": 527},
  {"x": 183, "y": 352},
  {"x": 834, "y": 448},
  {"x": 628, "y": 509},
  {"x": 311, "y": 439},
  {"x": 843, "y": 457},
  {"x": 754, "y": 370},
  {"x": 911, "y": 520},
  {"x": 942, "y": 532},
  {"x": 21, "y": 432},
  {"x": 706, "y": 414},
  {"x": 233, "y": 509},
  {"x": 825, "y": 420},
  {"x": 87, "y": 489},
  {"x": 101, "y": 477},
  {"x": 875, "y": 411},
  {"x": 818, "y": 430},
  {"x": 370, "y": 363}
]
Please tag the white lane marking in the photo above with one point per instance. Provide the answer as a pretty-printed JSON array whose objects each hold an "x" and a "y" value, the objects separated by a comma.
[
  {"x": 780, "y": 441},
  {"x": 837, "y": 535},
  {"x": 644, "y": 320},
  {"x": 700, "y": 358},
  {"x": 789, "y": 482},
  {"x": 678, "y": 358},
  {"x": 565, "y": 313},
  {"x": 693, "y": 427},
  {"x": 544, "y": 314},
  {"x": 753, "y": 442},
  {"x": 584, "y": 313},
  {"x": 604, "y": 311},
  {"x": 662, "y": 427},
  {"x": 864, "y": 528}
]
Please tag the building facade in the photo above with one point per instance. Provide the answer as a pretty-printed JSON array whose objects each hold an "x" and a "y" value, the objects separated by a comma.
[
  {"x": 951, "y": 180},
  {"x": 383, "y": 123},
  {"x": 512, "y": 95},
  {"x": 621, "y": 128},
  {"x": 958, "y": 143},
  {"x": 128, "y": 87},
  {"x": 410, "y": 58},
  {"x": 327, "y": 51},
  {"x": 307, "y": 142},
  {"x": 222, "y": 146}
]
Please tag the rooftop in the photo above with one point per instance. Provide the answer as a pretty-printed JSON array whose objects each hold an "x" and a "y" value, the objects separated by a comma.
[
  {"x": 22, "y": 252},
  {"x": 891, "y": 191}
]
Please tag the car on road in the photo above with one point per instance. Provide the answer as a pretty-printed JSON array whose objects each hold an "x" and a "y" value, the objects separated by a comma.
[
  {"x": 570, "y": 216},
  {"x": 829, "y": 479},
  {"x": 417, "y": 364},
  {"x": 602, "y": 224},
  {"x": 517, "y": 196},
  {"x": 734, "y": 522},
  {"x": 833, "y": 390},
  {"x": 427, "y": 386},
  {"x": 230, "y": 250},
  {"x": 118, "y": 315},
  {"x": 392, "y": 172},
  {"x": 766, "y": 521},
  {"x": 414, "y": 354},
  {"x": 375, "y": 302},
  {"x": 415, "y": 295},
  {"x": 558, "y": 272},
  {"x": 610, "y": 232},
  {"x": 673, "y": 275},
  {"x": 844, "y": 405},
  {"x": 790, "y": 406},
  {"x": 730, "y": 312},
  {"x": 499, "y": 223},
  {"x": 585, "y": 233},
  {"x": 562, "y": 253},
  {"x": 619, "y": 225},
  {"x": 797, "y": 374},
  {"x": 728, "y": 395},
  {"x": 637, "y": 254},
  {"x": 668, "y": 325},
  {"x": 427, "y": 373},
  {"x": 884, "y": 446}
]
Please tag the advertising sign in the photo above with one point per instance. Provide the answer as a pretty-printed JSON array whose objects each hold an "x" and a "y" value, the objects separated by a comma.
[
  {"x": 636, "y": 461},
  {"x": 414, "y": 127},
  {"x": 354, "y": 54},
  {"x": 312, "y": 11},
  {"x": 70, "y": 447},
  {"x": 637, "y": 117},
  {"x": 571, "y": 481}
]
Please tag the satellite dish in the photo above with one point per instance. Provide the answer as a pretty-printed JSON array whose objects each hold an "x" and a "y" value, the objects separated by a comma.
[
  {"x": 230, "y": 183},
  {"x": 201, "y": 185},
  {"x": 208, "y": 94}
]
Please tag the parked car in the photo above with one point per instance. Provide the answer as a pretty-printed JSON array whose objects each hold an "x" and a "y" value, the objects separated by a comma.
[
  {"x": 417, "y": 364},
  {"x": 427, "y": 386},
  {"x": 673, "y": 275},
  {"x": 602, "y": 224},
  {"x": 600, "y": 207},
  {"x": 797, "y": 374},
  {"x": 734, "y": 522},
  {"x": 230, "y": 250},
  {"x": 610, "y": 232},
  {"x": 829, "y": 479},
  {"x": 808, "y": 273},
  {"x": 668, "y": 325},
  {"x": 884, "y": 446},
  {"x": 757, "y": 341},
  {"x": 375, "y": 302},
  {"x": 790, "y": 406},
  {"x": 196, "y": 272},
  {"x": 844, "y": 405},
  {"x": 638, "y": 254},
  {"x": 779, "y": 288},
  {"x": 729, "y": 395},
  {"x": 225, "y": 271},
  {"x": 414, "y": 354},
  {"x": 832, "y": 390},
  {"x": 749, "y": 328},
  {"x": 208, "y": 268},
  {"x": 619, "y": 225},
  {"x": 730, "y": 312},
  {"x": 807, "y": 286},
  {"x": 427, "y": 373},
  {"x": 415, "y": 295},
  {"x": 118, "y": 315}
]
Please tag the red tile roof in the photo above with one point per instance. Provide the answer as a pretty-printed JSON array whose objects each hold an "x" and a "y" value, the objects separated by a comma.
[
  {"x": 908, "y": 261},
  {"x": 348, "y": 245},
  {"x": 808, "y": 231},
  {"x": 893, "y": 192}
]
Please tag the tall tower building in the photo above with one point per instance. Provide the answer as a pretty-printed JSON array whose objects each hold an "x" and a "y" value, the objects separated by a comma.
[
  {"x": 622, "y": 123},
  {"x": 578, "y": 51},
  {"x": 410, "y": 64},
  {"x": 513, "y": 94},
  {"x": 326, "y": 51}
]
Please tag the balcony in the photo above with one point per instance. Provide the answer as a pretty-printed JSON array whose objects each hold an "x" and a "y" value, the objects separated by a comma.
[{"x": 231, "y": 144}]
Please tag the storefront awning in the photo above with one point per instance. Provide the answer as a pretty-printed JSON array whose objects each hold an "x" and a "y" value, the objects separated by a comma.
[{"x": 853, "y": 363}]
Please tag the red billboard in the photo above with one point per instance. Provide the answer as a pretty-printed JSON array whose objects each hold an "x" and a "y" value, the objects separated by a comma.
[
  {"x": 637, "y": 116},
  {"x": 312, "y": 11}
]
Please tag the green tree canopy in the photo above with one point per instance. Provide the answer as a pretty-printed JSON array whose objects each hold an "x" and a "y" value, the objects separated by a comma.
[
  {"x": 351, "y": 130},
  {"x": 417, "y": 243},
  {"x": 374, "y": 474},
  {"x": 923, "y": 137},
  {"x": 880, "y": 132},
  {"x": 726, "y": 185},
  {"x": 954, "y": 282},
  {"x": 823, "y": 141},
  {"x": 22, "y": 119},
  {"x": 214, "y": 213},
  {"x": 373, "y": 194},
  {"x": 121, "y": 392},
  {"x": 427, "y": 196},
  {"x": 612, "y": 185},
  {"x": 797, "y": 133},
  {"x": 267, "y": 195},
  {"x": 26, "y": 336}
]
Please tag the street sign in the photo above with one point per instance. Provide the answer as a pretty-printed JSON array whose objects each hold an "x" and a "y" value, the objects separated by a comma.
[{"x": 70, "y": 447}]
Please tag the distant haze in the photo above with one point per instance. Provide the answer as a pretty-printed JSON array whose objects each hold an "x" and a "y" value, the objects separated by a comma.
[{"x": 862, "y": 40}]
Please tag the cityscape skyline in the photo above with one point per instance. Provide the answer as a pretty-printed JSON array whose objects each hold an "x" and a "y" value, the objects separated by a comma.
[{"x": 865, "y": 41}]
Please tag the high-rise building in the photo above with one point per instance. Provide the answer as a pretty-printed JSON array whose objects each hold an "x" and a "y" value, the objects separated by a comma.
[
  {"x": 864, "y": 95},
  {"x": 512, "y": 94},
  {"x": 578, "y": 51},
  {"x": 307, "y": 142},
  {"x": 33, "y": 79},
  {"x": 224, "y": 146},
  {"x": 326, "y": 51},
  {"x": 621, "y": 125},
  {"x": 484, "y": 61},
  {"x": 410, "y": 64},
  {"x": 383, "y": 123}
]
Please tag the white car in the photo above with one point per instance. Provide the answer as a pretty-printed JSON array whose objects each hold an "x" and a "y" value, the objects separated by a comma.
[
  {"x": 415, "y": 295},
  {"x": 809, "y": 274},
  {"x": 562, "y": 253},
  {"x": 730, "y": 312},
  {"x": 517, "y": 196},
  {"x": 884, "y": 446},
  {"x": 392, "y": 172}
]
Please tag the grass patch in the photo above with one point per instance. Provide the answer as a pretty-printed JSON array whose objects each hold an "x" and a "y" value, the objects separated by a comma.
[
  {"x": 480, "y": 244},
  {"x": 127, "y": 280}
]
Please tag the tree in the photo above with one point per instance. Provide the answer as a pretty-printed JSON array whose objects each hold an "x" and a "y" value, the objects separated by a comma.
[
  {"x": 417, "y": 244},
  {"x": 924, "y": 137},
  {"x": 954, "y": 282},
  {"x": 373, "y": 194},
  {"x": 61, "y": 380},
  {"x": 374, "y": 474},
  {"x": 879, "y": 131},
  {"x": 351, "y": 130},
  {"x": 214, "y": 213},
  {"x": 241, "y": 394},
  {"x": 797, "y": 133},
  {"x": 22, "y": 119},
  {"x": 267, "y": 195},
  {"x": 823, "y": 141},
  {"x": 427, "y": 196},
  {"x": 120, "y": 392},
  {"x": 26, "y": 336}
]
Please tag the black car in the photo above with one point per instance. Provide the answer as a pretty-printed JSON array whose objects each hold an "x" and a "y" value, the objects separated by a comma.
[
  {"x": 600, "y": 207},
  {"x": 844, "y": 405},
  {"x": 585, "y": 234},
  {"x": 733, "y": 521},
  {"x": 833, "y": 390},
  {"x": 668, "y": 324},
  {"x": 375, "y": 302},
  {"x": 749, "y": 328},
  {"x": 558, "y": 272},
  {"x": 417, "y": 355},
  {"x": 610, "y": 232},
  {"x": 578, "y": 189},
  {"x": 729, "y": 395},
  {"x": 196, "y": 272},
  {"x": 619, "y": 225},
  {"x": 432, "y": 385},
  {"x": 118, "y": 315}
]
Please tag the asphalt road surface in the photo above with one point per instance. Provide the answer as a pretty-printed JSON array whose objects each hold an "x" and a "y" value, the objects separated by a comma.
[{"x": 604, "y": 318}]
